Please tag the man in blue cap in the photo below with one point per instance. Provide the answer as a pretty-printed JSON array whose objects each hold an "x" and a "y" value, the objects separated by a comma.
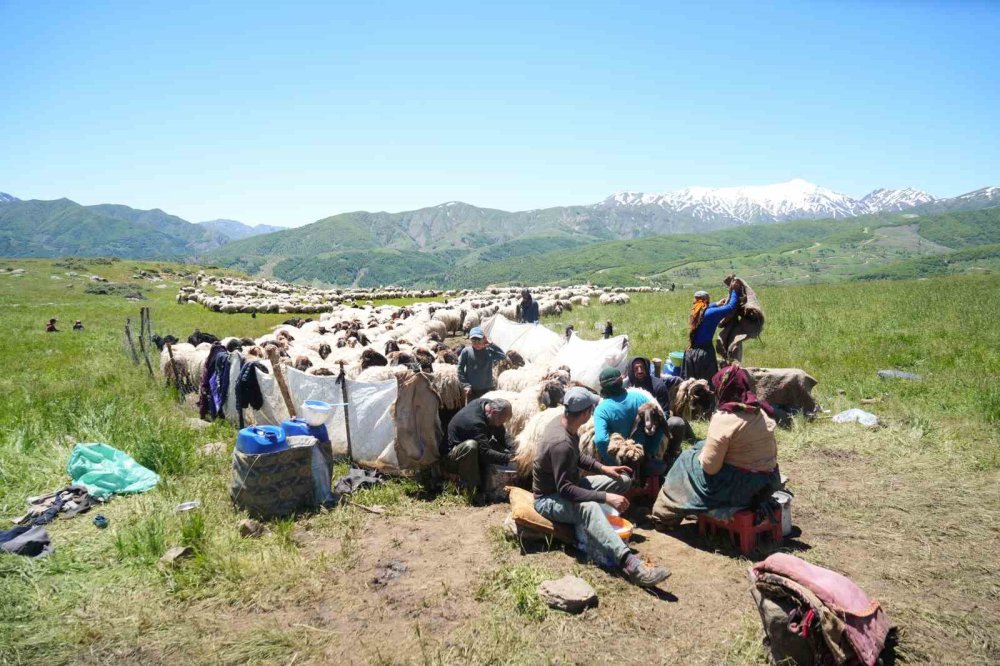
[
  {"x": 562, "y": 496},
  {"x": 475, "y": 365}
]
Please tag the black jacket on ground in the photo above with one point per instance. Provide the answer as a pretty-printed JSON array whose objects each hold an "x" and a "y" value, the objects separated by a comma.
[
  {"x": 660, "y": 388},
  {"x": 471, "y": 423}
]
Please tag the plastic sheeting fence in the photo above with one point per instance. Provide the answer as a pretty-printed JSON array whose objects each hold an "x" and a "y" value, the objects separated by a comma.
[
  {"x": 375, "y": 437},
  {"x": 538, "y": 344}
]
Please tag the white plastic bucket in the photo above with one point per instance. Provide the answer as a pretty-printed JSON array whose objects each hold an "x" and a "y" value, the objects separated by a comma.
[{"x": 784, "y": 500}]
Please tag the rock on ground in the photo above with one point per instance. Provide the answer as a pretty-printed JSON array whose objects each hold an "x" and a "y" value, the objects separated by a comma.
[{"x": 569, "y": 593}]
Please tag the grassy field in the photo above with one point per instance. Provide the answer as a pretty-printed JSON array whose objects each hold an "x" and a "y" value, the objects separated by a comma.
[{"x": 911, "y": 511}]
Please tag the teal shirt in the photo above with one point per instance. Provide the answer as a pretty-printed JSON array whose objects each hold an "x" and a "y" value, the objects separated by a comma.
[{"x": 616, "y": 414}]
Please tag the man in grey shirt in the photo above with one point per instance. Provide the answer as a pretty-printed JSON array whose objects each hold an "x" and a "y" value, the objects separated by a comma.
[
  {"x": 563, "y": 497},
  {"x": 475, "y": 365}
]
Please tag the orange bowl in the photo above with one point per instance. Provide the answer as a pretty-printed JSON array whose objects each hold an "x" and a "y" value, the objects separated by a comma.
[{"x": 622, "y": 527}]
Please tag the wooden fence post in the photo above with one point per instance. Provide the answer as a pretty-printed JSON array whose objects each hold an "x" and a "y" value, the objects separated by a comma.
[{"x": 279, "y": 376}]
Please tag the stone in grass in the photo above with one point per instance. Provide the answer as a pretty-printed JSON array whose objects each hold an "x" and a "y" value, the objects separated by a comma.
[
  {"x": 251, "y": 528},
  {"x": 569, "y": 593},
  {"x": 175, "y": 555},
  {"x": 197, "y": 424},
  {"x": 212, "y": 448}
]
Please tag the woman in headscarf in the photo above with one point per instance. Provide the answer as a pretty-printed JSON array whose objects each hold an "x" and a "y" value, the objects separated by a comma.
[
  {"x": 733, "y": 466},
  {"x": 699, "y": 359}
]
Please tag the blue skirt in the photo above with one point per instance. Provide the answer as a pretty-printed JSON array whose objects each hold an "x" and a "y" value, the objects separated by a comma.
[{"x": 689, "y": 490}]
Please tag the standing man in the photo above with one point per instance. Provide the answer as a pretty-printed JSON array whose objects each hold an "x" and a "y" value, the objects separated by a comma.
[
  {"x": 699, "y": 358},
  {"x": 563, "y": 497},
  {"x": 608, "y": 329},
  {"x": 476, "y": 439},
  {"x": 475, "y": 364},
  {"x": 528, "y": 308}
]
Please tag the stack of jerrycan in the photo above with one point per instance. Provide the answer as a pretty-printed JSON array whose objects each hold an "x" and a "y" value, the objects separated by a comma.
[{"x": 278, "y": 470}]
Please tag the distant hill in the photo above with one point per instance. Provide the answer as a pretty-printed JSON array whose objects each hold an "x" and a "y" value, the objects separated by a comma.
[
  {"x": 4, "y": 197},
  {"x": 65, "y": 228},
  {"x": 233, "y": 230},
  {"x": 458, "y": 244},
  {"x": 792, "y": 252}
]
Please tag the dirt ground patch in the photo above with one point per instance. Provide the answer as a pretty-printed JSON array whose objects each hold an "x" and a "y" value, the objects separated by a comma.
[{"x": 413, "y": 591}]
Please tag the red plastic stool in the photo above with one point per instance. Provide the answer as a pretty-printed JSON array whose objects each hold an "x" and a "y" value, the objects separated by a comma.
[
  {"x": 741, "y": 526},
  {"x": 650, "y": 489}
]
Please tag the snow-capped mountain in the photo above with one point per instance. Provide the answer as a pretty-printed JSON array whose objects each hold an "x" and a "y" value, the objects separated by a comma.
[
  {"x": 891, "y": 201},
  {"x": 794, "y": 199},
  {"x": 4, "y": 197}
]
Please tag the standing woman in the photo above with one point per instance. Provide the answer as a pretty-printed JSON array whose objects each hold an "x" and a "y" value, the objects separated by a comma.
[{"x": 699, "y": 359}]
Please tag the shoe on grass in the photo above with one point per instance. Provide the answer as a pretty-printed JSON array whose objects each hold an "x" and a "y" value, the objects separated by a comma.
[{"x": 644, "y": 576}]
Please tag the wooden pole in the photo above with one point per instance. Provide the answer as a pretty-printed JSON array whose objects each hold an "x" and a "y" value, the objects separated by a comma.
[
  {"x": 279, "y": 376},
  {"x": 347, "y": 415},
  {"x": 128, "y": 338},
  {"x": 142, "y": 340}
]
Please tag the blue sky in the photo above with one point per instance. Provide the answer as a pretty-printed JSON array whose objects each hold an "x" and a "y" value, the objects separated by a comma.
[{"x": 283, "y": 113}]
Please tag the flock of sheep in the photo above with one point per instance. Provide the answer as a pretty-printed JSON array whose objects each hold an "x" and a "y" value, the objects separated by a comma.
[
  {"x": 375, "y": 343},
  {"x": 235, "y": 295}
]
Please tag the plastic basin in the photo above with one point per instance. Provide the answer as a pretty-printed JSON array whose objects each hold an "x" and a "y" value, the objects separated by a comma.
[{"x": 315, "y": 412}]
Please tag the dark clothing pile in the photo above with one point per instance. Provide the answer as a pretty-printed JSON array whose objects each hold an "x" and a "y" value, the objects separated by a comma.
[
  {"x": 661, "y": 388},
  {"x": 30, "y": 541},
  {"x": 471, "y": 423},
  {"x": 557, "y": 466},
  {"x": 68, "y": 501},
  {"x": 356, "y": 479},
  {"x": 214, "y": 383}
]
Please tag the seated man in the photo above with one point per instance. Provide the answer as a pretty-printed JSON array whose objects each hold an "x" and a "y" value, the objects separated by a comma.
[
  {"x": 616, "y": 414},
  {"x": 663, "y": 389},
  {"x": 476, "y": 438},
  {"x": 736, "y": 464},
  {"x": 562, "y": 496}
]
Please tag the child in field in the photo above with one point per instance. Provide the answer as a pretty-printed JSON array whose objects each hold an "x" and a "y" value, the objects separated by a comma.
[{"x": 51, "y": 326}]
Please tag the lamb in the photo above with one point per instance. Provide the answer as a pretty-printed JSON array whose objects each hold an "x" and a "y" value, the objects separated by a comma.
[{"x": 693, "y": 399}]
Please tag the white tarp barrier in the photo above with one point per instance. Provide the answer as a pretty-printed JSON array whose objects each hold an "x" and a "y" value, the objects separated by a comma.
[
  {"x": 534, "y": 342},
  {"x": 586, "y": 358},
  {"x": 373, "y": 430}
]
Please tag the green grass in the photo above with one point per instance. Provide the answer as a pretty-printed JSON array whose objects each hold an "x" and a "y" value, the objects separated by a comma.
[{"x": 910, "y": 510}]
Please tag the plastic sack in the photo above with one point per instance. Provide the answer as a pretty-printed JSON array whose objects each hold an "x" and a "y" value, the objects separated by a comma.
[
  {"x": 857, "y": 416},
  {"x": 104, "y": 470},
  {"x": 586, "y": 358},
  {"x": 536, "y": 344}
]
